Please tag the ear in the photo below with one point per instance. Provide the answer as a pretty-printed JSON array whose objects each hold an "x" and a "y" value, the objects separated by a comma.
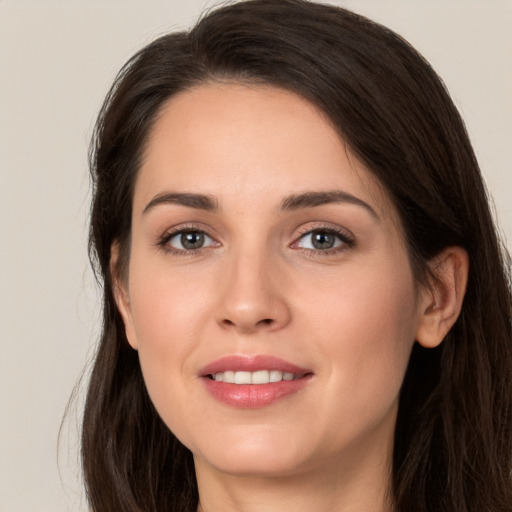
[
  {"x": 121, "y": 295},
  {"x": 441, "y": 302}
]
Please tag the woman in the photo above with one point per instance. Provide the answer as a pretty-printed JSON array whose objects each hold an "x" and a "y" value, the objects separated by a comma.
[{"x": 306, "y": 305}]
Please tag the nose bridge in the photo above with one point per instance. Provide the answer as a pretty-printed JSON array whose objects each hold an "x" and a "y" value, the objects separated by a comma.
[{"x": 251, "y": 298}]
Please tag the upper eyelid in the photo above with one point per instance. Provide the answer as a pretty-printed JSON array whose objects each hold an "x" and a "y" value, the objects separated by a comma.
[
  {"x": 183, "y": 228},
  {"x": 327, "y": 226}
]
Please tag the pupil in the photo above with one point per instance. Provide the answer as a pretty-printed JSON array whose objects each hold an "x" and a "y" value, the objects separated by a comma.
[
  {"x": 322, "y": 240},
  {"x": 192, "y": 240}
]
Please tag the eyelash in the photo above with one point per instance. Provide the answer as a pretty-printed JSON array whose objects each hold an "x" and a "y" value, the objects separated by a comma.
[
  {"x": 346, "y": 239},
  {"x": 167, "y": 237}
]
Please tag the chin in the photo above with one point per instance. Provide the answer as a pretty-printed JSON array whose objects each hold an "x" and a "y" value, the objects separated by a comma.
[
  {"x": 241, "y": 464},
  {"x": 252, "y": 455}
]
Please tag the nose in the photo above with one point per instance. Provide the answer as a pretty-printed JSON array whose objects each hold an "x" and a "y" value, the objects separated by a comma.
[{"x": 253, "y": 297}]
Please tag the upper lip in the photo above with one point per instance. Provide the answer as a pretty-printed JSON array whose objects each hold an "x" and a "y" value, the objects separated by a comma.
[{"x": 251, "y": 364}]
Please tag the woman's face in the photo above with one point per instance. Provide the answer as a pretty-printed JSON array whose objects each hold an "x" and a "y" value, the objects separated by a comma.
[{"x": 263, "y": 251}]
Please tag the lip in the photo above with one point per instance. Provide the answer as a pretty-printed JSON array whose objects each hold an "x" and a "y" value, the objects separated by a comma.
[
  {"x": 251, "y": 364},
  {"x": 253, "y": 396}
]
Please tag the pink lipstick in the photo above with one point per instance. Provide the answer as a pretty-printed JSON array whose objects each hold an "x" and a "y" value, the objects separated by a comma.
[{"x": 253, "y": 382}]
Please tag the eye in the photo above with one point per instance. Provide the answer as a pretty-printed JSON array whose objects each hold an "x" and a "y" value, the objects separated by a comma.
[
  {"x": 189, "y": 240},
  {"x": 323, "y": 240}
]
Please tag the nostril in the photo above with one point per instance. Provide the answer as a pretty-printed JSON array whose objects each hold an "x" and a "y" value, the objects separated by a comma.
[{"x": 246, "y": 323}]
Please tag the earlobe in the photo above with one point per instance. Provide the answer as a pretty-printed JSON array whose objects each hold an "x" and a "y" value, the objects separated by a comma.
[
  {"x": 121, "y": 296},
  {"x": 441, "y": 303}
]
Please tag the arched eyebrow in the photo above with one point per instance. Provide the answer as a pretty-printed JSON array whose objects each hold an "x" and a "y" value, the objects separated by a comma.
[
  {"x": 199, "y": 201},
  {"x": 290, "y": 203},
  {"x": 312, "y": 199}
]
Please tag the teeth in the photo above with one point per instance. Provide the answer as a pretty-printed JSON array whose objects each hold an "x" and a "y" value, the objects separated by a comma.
[
  {"x": 242, "y": 377},
  {"x": 259, "y": 377},
  {"x": 276, "y": 376},
  {"x": 227, "y": 377}
]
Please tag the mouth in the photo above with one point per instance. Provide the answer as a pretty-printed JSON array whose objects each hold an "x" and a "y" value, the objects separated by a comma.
[
  {"x": 253, "y": 382},
  {"x": 259, "y": 377}
]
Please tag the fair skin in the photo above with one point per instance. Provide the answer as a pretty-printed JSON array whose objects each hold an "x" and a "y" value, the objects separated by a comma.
[{"x": 235, "y": 253}]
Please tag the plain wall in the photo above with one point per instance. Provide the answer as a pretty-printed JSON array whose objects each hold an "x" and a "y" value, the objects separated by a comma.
[{"x": 57, "y": 60}]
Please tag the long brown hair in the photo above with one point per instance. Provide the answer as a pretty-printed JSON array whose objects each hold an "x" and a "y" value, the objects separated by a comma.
[{"x": 453, "y": 440}]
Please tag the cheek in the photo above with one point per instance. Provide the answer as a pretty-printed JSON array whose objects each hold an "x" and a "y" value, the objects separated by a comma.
[
  {"x": 165, "y": 311},
  {"x": 366, "y": 328},
  {"x": 165, "y": 303},
  {"x": 377, "y": 320}
]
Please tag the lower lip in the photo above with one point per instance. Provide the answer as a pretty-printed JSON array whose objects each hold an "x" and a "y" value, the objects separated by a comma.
[{"x": 254, "y": 396}]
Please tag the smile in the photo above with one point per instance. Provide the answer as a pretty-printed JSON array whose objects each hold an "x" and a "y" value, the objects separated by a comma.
[
  {"x": 259, "y": 377},
  {"x": 253, "y": 382}
]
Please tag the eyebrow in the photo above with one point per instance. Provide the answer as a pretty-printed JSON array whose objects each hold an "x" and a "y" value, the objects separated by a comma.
[
  {"x": 199, "y": 201},
  {"x": 290, "y": 203},
  {"x": 312, "y": 199}
]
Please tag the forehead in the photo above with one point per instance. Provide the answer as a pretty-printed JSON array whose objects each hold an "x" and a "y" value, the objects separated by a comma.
[{"x": 230, "y": 140}]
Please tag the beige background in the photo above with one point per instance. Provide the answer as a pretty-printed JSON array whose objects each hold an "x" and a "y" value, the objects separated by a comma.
[{"x": 57, "y": 60}]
